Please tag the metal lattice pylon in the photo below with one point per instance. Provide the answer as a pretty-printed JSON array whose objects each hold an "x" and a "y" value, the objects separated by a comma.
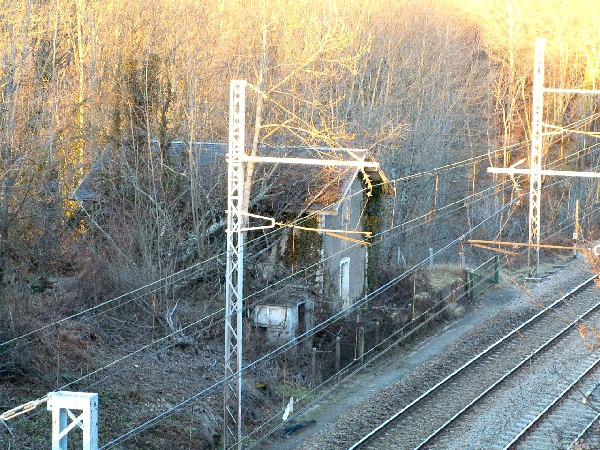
[
  {"x": 236, "y": 226},
  {"x": 535, "y": 170},
  {"x": 234, "y": 271},
  {"x": 535, "y": 184},
  {"x": 61, "y": 403}
]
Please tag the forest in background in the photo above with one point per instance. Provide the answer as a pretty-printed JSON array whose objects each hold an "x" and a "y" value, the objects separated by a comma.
[
  {"x": 436, "y": 90},
  {"x": 421, "y": 84}
]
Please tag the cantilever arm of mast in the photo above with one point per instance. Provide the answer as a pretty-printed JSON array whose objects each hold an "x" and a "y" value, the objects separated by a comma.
[
  {"x": 479, "y": 242},
  {"x": 324, "y": 230},
  {"x": 310, "y": 161},
  {"x": 572, "y": 91},
  {"x": 560, "y": 173}
]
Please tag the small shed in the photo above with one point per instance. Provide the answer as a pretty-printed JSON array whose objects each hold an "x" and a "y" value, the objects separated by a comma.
[{"x": 282, "y": 321}]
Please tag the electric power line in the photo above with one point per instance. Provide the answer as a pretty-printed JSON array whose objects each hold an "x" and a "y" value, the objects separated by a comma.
[
  {"x": 315, "y": 329},
  {"x": 170, "y": 278},
  {"x": 259, "y": 292},
  {"x": 194, "y": 323},
  {"x": 271, "y": 286},
  {"x": 289, "y": 344}
]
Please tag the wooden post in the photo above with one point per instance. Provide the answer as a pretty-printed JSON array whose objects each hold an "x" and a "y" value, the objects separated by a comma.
[
  {"x": 361, "y": 343},
  {"x": 496, "y": 269},
  {"x": 470, "y": 285},
  {"x": 576, "y": 230},
  {"x": 413, "y": 296},
  {"x": 313, "y": 369},
  {"x": 461, "y": 253},
  {"x": 247, "y": 330},
  {"x": 377, "y": 326},
  {"x": 435, "y": 192},
  {"x": 338, "y": 356}
]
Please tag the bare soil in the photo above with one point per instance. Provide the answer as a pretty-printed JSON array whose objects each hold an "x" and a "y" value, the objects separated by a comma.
[
  {"x": 397, "y": 365},
  {"x": 440, "y": 355}
]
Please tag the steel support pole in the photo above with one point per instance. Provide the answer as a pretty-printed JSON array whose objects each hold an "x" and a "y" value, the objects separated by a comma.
[
  {"x": 234, "y": 283},
  {"x": 234, "y": 277},
  {"x": 61, "y": 403},
  {"x": 535, "y": 171},
  {"x": 535, "y": 186}
]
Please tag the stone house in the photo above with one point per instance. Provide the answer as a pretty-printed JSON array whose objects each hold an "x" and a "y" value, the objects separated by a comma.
[{"x": 328, "y": 198}]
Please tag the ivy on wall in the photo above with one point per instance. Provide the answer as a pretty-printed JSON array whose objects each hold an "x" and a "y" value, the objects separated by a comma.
[
  {"x": 303, "y": 248},
  {"x": 375, "y": 212}
]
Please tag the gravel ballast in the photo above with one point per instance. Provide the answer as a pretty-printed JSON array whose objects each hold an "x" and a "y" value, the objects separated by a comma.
[{"x": 359, "y": 421}]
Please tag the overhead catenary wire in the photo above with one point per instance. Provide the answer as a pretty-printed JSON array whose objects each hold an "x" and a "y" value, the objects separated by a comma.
[
  {"x": 43, "y": 398},
  {"x": 269, "y": 287},
  {"x": 429, "y": 315},
  {"x": 402, "y": 226},
  {"x": 116, "y": 361},
  {"x": 85, "y": 311},
  {"x": 187, "y": 327},
  {"x": 166, "y": 279},
  {"x": 437, "y": 170},
  {"x": 170, "y": 278},
  {"x": 147, "y": 346},
  {"x": 478, "y": 225},
  {"x": 446, "y": 206},
  {"x": 376, "y": 292},
  {"x": 333, "y": 385},
  {"x": 289, "y": 344},
  {"x": 200, "y": 320}
]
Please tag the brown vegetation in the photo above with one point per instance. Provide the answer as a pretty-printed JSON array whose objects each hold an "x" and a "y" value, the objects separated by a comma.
[{"x": 420, "y": 83}]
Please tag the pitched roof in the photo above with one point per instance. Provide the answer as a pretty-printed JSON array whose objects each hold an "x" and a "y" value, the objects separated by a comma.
[
  {"x": 291, "y": 187},
  {"x": 86, "y": 191}
]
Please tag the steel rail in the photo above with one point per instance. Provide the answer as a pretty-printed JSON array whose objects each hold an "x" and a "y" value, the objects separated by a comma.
[
  {"x": 585, "y": 430},
  {"x": 466, "y": 365},
  {"x": 506, "y": 375},
  {"x": 546, "y": 412}
]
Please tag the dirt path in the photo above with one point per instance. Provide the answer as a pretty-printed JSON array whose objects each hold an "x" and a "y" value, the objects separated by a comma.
[{"x": 372, "y": 380}]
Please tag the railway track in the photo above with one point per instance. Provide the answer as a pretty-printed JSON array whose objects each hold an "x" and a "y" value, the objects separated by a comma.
[
  {"x": 561, "y": 422},
  {"x": 589, "y": 434},
  {"x": 441, "y": 417}
]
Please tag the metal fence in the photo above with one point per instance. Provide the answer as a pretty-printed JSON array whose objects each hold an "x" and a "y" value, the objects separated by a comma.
[{"x": 483, "y": 276}]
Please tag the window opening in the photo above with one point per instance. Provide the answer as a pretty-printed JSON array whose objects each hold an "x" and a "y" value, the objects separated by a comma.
[{"x": 345, "y": 281}]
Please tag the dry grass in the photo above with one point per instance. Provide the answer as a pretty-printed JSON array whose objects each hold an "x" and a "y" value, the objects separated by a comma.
[{"x": 442, "y": 275}]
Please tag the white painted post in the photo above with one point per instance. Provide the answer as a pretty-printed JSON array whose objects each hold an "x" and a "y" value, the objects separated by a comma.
[
  {"x": 431, "y": 258},
  {"x": 535, "y": 181},
  {"x": 576, "y": 229},
  {"x": 61, "y": 403},
  {"x": 59, "y": 423}
]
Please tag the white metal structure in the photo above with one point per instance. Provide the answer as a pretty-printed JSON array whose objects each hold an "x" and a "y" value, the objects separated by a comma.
[
  {"x": 236, "y": 226},
  {"x": 234, "y": 282},
  {"x": 535, "y": 171},
  {"x": 61, "y": 403},
  {"x": 535, "y": 181},
  {"x": 559, "y": 173}
]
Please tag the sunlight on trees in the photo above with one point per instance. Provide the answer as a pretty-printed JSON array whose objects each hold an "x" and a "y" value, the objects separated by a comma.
[{"x": 419, "y": 82}]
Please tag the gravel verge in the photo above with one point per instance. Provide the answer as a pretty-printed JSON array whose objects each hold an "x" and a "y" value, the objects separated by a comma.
[{"x": 359, "y": 421}]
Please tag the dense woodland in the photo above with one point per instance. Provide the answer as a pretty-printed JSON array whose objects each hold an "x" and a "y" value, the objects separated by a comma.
[{"x": 422, "y": 84}]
